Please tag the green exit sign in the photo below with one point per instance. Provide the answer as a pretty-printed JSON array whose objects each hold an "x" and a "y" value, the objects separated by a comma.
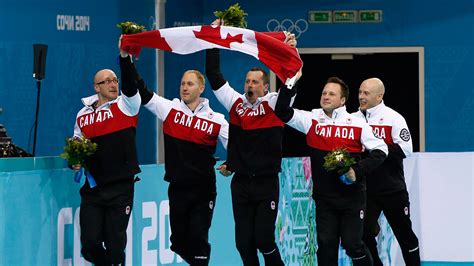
[
  {"x": 345, "y": 16},
  {"x": 320, "y": 16},
  {"x": 370, "y": 15}
]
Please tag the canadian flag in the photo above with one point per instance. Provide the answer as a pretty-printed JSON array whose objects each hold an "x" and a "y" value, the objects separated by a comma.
[{"x": 267, "y": 47}]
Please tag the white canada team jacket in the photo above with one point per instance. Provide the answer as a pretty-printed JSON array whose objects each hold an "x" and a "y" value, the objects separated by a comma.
[
  {"x": 190, "y": 139},
  {"x": 390, "y": 126}
]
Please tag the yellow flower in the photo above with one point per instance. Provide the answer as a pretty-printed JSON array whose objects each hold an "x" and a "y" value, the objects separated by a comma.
[{"x": 77, "y": 150}]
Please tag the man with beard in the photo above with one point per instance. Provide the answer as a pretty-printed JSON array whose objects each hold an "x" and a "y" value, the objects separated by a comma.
[{"x": 254, "y": 154}]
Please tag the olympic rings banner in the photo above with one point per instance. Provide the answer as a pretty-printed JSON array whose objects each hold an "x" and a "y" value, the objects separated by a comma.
[{"x": 297, "y": 27}]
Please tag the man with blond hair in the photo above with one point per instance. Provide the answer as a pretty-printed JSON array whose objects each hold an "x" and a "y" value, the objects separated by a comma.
[{"x": 191, "y": 130}]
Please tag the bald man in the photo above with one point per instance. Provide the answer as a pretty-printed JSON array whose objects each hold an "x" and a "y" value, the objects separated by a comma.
[
  {"x": 110, "y": 120},
  {"x": 386, "y": 188}
]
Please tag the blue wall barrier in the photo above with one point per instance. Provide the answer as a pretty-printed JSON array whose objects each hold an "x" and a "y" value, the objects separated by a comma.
[
  {"x": 40, "y": 218},
  {"x": 39, "y": 215}
]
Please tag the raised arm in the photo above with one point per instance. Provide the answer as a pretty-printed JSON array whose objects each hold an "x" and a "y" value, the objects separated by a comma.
[
  {"x": 130, "y": 102},
  {"x": 131, "y": 78},
  {"x": 300, "y": 120},
  {"x": 213, "y": 69},
  {"x": 223, "y": 91},
  {"x": 282, "y": 106}
]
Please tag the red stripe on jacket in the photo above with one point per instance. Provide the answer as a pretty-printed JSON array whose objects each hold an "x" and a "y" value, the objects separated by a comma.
[
  {"x": 330, "y": 137},
  {"x": 249, "y": 119},
  {"x": 191, "y": 128},
  {"x": 105, "y": 121}
]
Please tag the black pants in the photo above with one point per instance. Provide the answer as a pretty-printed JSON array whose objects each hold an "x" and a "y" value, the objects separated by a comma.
[
  {"x": 255, "y": 206},
  {"x": 341, "y": 220},
  {"x": 396, "y": 208},
  {"x": 191, "y": 210},
  {"x": 104, "y": 215}
]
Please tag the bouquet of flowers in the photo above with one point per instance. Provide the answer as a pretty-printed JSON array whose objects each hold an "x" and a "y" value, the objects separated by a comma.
[
  {"x": 129, "y": 27},
  {"x": 339, "y": 161},
  {"x": 234, "y": 16},
  {"x": 75, "y": 152}
]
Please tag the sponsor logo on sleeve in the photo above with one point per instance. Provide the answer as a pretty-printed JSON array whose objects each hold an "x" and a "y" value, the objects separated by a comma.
[{"x": 405, "y": 134}]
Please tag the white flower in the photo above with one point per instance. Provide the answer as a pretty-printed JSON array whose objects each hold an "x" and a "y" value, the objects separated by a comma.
[{"x": 339, "y": 157}]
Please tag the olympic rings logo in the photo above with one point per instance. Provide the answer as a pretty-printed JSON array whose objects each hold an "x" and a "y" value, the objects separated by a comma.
[{"x": 297, "y": 28}]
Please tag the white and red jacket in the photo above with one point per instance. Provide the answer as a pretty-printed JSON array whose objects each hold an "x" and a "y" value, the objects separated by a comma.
[
  {"x": 255, "y": 134},
  {"x": 113, "y": 127},
  {"x": 390, "y": 126},
  {"x": 325, "y": 134},
  {"x": 190, "y": 139},
  {"x": 342, "y": 130}
]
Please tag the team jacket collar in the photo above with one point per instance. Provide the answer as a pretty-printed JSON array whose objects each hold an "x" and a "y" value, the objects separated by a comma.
[
  {"x": 338, "y": 112},
  {"x": 374, "y": 110},
  {"x": 248, "y": 104},
  {"x": 202, "y": 107},
  {"x": 91, "y": 100},
  {"x": 259, "y": 100}
]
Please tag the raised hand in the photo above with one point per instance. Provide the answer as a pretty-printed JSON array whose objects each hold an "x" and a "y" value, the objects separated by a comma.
[
  {"x": 217, "y": 22},
  {"x": 290, "y": 39},
  {"x": 122, "y": 52}
]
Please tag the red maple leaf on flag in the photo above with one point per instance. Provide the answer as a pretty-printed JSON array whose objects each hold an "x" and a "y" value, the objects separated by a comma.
[{"x": 213, "y": 35}]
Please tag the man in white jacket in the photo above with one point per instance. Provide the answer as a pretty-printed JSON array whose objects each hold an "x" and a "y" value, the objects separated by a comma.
[
  {"x": 386, "y": 188},
  {"x": 340, "y": 199},
  {"x": 191, "y": 130},
  {"x": 110, "y": 120}
]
